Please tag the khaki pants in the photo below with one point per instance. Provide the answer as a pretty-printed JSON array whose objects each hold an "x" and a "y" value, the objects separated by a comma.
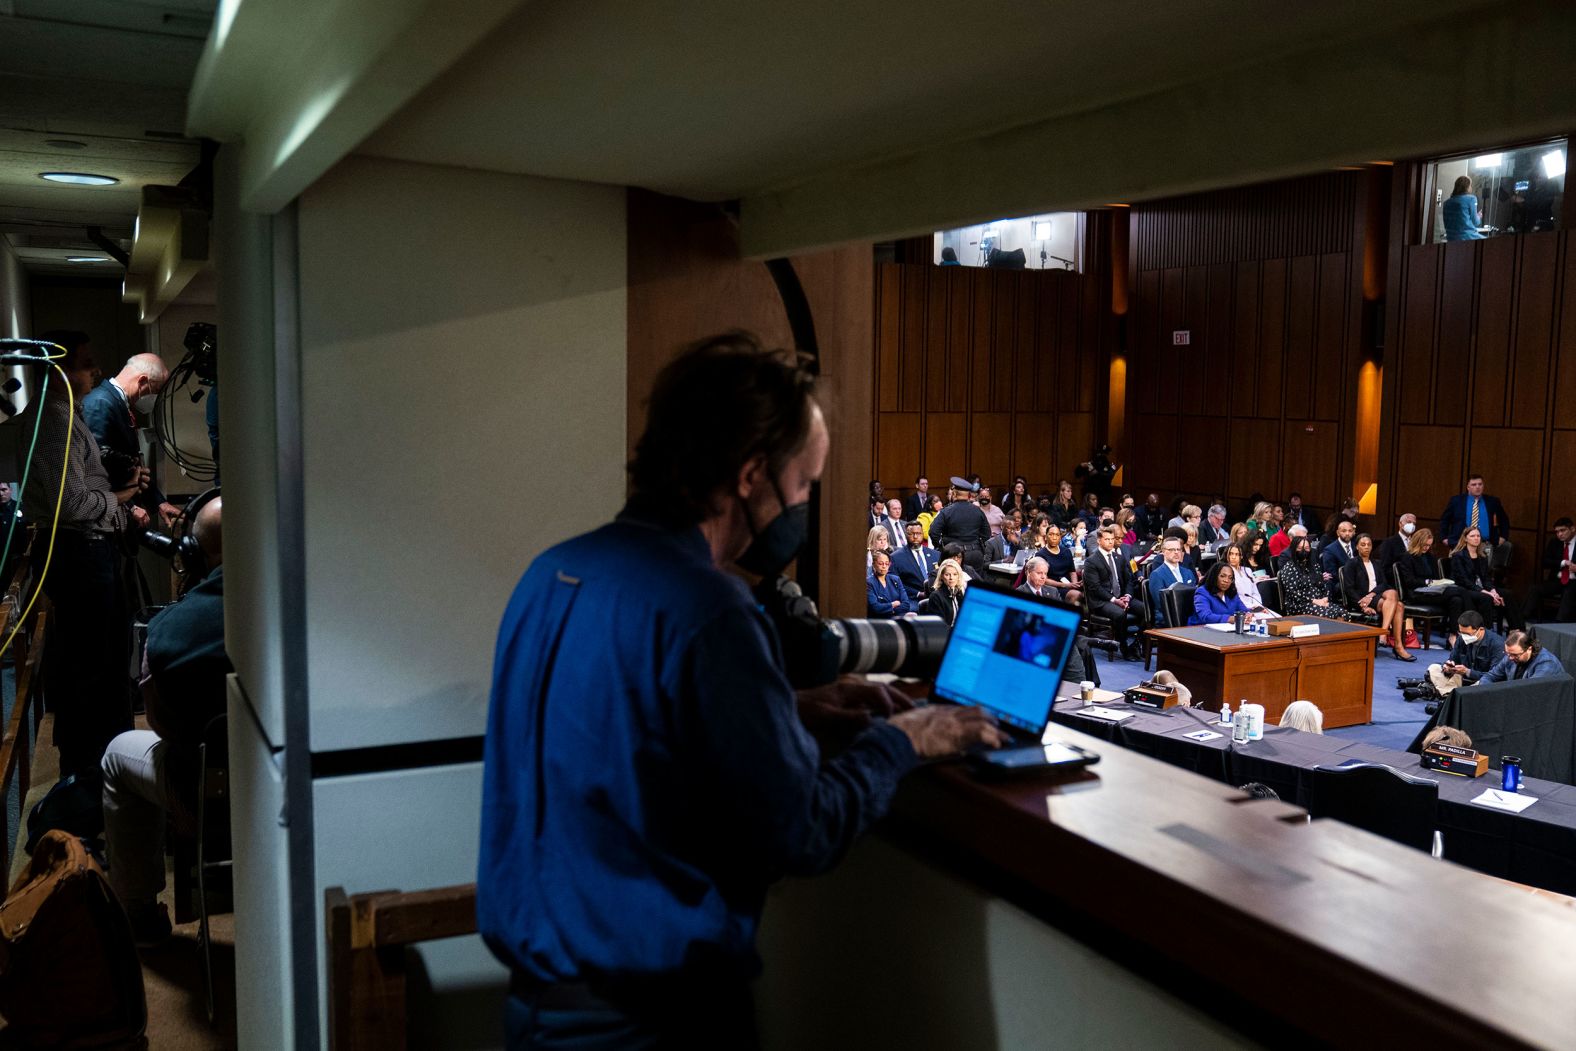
[{"x": 1442, "y": 682}]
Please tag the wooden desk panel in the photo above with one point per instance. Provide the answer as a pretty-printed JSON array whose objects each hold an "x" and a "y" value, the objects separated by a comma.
[{"x": 1333, "y": 669}]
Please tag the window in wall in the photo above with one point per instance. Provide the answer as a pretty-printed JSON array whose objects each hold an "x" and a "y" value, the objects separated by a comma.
[
  {"x": 1050, "y": 241},
  {"x": 1515, "y": 190}
]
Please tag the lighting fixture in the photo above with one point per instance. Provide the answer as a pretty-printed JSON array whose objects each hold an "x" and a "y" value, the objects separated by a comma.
[
  {"x": 1554, "y": 164},
  {"x": 1042, "y": 231},
  {"x": 1488, "y": 160},
  {"x": 66, "y": 144},
  {"x": 87, "y": 259},
  {"x": 79, "y": 178}
]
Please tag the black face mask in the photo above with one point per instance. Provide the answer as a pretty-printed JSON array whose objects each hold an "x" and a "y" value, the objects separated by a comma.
[{"x": 772, "y": 548}]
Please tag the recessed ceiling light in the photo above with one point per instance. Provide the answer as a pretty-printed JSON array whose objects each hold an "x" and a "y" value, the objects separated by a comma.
[
  {"x": 79, "y": 178},
  {"x": 87, "y": 259},
  {"x": 66, "y": 144}
]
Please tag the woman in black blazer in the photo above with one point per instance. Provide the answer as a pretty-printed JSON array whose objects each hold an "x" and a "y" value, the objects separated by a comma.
[
  {"x": 1017, "y": 498},
  {"x": 1368, "y": 596},
  {"x": 1470, "y": 570},
  {"x": 1417, "y": 569}
]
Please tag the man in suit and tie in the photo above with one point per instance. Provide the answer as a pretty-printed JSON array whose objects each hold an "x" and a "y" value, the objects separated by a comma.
[
  {"x": 1559, "y": 575},
  {"x": 111, "y": 409},
  {"x": 1336, "y": 555},
  {"x": 892, "y": 522},
  {"x": 1474, "y": 509},
  {"x": 1171, "y": 571},
  {"x": 1298, "y": 514},
  {"x": 1003, "y": 546},
  {"x": 917, "y": 502},
  {"x": 1110, "y": 587},
  {"x": 1034, "y": 578},
  {"x": 1213, "y": 529},
  {"x": 914, "y": 563}
]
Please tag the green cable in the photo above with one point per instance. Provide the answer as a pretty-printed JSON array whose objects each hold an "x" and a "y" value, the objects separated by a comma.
[{"x": 26, "y": 470}]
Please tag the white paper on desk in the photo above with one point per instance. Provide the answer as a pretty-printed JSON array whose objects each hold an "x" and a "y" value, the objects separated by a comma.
[
  {"x": 1202, "y": 735},
  {"x": 1108, "y": 714},
  {"x": 1220, "y": 627},
  {"x": 1499, "y": 800}
]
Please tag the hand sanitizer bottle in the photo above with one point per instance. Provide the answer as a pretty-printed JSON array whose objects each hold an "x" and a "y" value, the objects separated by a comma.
[{"x": 1225, "y": 713}]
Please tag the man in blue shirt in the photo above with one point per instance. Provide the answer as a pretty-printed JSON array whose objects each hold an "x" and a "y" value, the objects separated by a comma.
[
  {"x": 647, "y": 775},
  {"x": 1525, "y": 658}
]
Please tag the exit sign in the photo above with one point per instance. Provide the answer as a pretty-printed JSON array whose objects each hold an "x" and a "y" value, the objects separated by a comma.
[{"x": 1181, "y": 337}]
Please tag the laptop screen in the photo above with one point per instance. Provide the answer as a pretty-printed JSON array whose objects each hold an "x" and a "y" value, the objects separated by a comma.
[{"x": 1006, "y": 654}]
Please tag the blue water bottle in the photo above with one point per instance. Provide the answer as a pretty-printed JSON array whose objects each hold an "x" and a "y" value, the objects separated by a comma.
[{"x": 1510, "y": 773}]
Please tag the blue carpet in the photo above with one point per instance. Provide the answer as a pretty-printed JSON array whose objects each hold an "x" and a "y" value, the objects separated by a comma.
[{"x": 1395, "y": 722}]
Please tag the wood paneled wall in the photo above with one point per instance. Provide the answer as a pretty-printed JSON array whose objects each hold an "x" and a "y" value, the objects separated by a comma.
[
  {"x": 1263, "y": 398},
  {"x": 994, "y": 372},
  {"x": 1480, "y": 377},
  {"x": 686, "y": 282}
]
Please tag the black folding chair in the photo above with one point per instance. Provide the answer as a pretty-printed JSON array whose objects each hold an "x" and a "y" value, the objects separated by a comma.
[
  {"x": 1179, "y": 603},
  {"x": 1419, "y": 608},
  {"x": 1270, "y": 592},
  {"x": 1379, "y": 799}
]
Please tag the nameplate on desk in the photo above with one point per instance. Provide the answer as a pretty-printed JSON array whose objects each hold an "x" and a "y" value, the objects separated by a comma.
[
  {"x": 1291, "y": 629},
  {"x": 1499, "y": 800},
  {"x": 1448, "y": 759},
  {"x": 1109, "y": 715}
]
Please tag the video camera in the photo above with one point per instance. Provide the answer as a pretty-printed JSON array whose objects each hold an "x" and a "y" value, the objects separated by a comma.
[
  {"x": 816, "y": 651},
  {"x": 202, "y": 340}
]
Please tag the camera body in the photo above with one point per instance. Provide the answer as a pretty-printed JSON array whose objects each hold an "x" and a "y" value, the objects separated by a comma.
[
  {"x": 816, "y": 651},
  {"x": 202, "y": 340},
  {"x": 121, "y": 467}
]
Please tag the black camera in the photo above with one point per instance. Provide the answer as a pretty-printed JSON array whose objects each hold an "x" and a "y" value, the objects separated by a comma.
[
  {"x": 121, "y": 467},
  {"x": 202, "y": 340},
  {"x": 817, "y": 651}
]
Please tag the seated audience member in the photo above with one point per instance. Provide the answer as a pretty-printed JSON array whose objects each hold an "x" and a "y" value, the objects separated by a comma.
[
  {"x": 1262, "y": 520},
  {"x": 1060, "y": 572},
  {"x": 1112, "y": 589},
  {"x": 1476, "y": 651},
  {"x": 149, "y": 772},
  {"x": 1017, "y": 498},
  {"x": 1559, "y": 576},
  {"x": 1393, "y": 548},
  {"x": 1525, "y": 658},
  {"x": 1282, "y": 540},
  {"x": 877, "y": 503},
  {"x": 927, "y": 517},
  {"x": 1213, "y": 528},
  {"x": 993, "y": 514},
  {"x": 1079, "y": 542},
  {"x": 1040, "y": 527},
  {"x": 914, "y": 563},
  {"x": 1367, "y": 596},
  {"x": 1193, "y": 553},
  {"x": 944, "y": 600},
  {"x": 1004, "y": 545},
  {"x": 885, "y": 595},
  {"x": 1124, "y": 523},
  {"x": 1303, "y": 715},
  {"x": 1417, "y": 571},
  {"x": 1169, "y": 573},
  {"x": 894, "y": 524},
  {"x": 955, "y": 553},
  {"x": 1165, "y": 677},
  {"x": 1346, "y": 513},
  {"x": 876, "y": 540},
  {"x": 1255, "y": 556},
  {"x": 1447, "y": 735},
  {"x": 1090, "y": 511},
  {"x": 1063, "y": 510},
  {"x": 1190, "y": 513},
  {"x": 1238, "y": 533},
  {"x": 1335, "y": 554},
  {"x": 1245, "y": 585},
  {"x": 1034, "y": 579},
  {"x": 1301, "y": 587},
  {"x": 1469, "y": 568},
  {"x": 1297, "y": 514},
  {"x": 1217, "y": 602}
]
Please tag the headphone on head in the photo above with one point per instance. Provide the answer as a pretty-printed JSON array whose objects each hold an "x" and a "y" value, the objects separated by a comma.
[{"x": 194, "y": 561}]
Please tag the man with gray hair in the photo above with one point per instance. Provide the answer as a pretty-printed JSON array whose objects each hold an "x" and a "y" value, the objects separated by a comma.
[
  {"x": 1213, "y": 529},
  {"x": 1035, "y": 573},
  {"x": 112, "y": 411}
]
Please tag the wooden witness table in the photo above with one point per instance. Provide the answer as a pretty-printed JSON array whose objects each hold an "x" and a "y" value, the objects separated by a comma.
[{"x": 1334, "y": 669}]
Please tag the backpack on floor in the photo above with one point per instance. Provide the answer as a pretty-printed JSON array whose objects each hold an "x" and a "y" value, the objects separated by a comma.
[{"x": 69, "y": 973}]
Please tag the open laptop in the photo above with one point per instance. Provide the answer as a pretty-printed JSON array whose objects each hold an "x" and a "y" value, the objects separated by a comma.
[{"x": 1006, "y": 654}]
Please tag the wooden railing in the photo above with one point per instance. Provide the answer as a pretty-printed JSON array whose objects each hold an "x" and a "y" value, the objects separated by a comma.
[{"x": 367, "y": 938}]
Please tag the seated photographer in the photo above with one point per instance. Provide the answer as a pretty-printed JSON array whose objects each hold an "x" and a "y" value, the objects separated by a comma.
[
  {"x": 111, "y": 410},
  {"x": 1477, "y": 649},
  {"x": 1525, "y": 658},
  {"x": 147, "y": 772}
]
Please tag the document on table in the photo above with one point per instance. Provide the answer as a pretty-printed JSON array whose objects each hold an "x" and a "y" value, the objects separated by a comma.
[
  {"x": 1202, "y": 735},
  {"x": 1110, "y": 715},
  {"x": 1501, "y": 800}
]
